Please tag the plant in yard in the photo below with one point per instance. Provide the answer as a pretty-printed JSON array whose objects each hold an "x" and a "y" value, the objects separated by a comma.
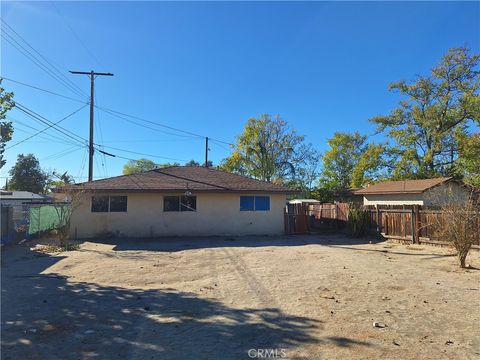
[
  {"x": 460, "y": 225},
  {"x": 74, "y": 195},
  {"x": 358, "y": 220}
]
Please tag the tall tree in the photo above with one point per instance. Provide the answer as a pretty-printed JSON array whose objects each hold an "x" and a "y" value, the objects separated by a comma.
[
  {"x": 436, "y": 113},
  {"x": 350, "y": 162},
  {"x": 269, "y": 150},
  {"x": 136, "y": 166},
  {"x": 27, "y": 175},
  {"x": 6, "y": 128}
]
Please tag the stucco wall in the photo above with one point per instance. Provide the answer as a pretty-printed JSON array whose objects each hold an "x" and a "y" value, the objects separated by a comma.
[
  {"x": 217, "y": 214},
  {"x": 450, "y": 192},
  {"x": 394, "y": 199}
]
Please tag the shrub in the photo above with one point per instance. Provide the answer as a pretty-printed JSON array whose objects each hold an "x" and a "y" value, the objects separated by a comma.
[{"x": 358, "y": 221}]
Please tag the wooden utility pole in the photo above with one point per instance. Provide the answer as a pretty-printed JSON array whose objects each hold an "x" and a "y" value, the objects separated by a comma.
[
  {"x": 206, "y": 152},
  {"x": 92, "y": 74}
]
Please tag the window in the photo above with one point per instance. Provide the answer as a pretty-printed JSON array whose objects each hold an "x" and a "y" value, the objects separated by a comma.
[
  {"x": 109, "y": 204},
  {"x": 262, "y": 203},
  {"x": 247, "y": 203},
  {"x": 254, "y": 203},
  {"x": 180, "y": 203},
  {"x": 188, "y": 203},
  {"x": 171, "y": 203},
  {"x": 118, "y": 203},
  {"x": 99, "y": 203}
]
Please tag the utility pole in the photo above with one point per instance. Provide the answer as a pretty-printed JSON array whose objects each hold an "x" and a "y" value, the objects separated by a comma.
[
  {"x": 92, "y": 74},
  {"x": 206, "y": 152}
]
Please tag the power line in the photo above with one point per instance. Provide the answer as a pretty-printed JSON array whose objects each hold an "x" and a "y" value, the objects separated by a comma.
[
  {"x": 61, "y": 74},
  {"x": 127, "y": 117},
  {"x": 44, "y": 90},
  {"x": 79, "y": 138},
  {"x": 45, "y": 129},
  {"x": 92, "y": 55}
]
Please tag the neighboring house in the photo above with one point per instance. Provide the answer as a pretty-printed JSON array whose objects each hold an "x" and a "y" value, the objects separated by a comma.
[
  {"x": 426, "y": 192},
  {"x": 178, "y": 201},
  {"x": 22, "y": 197},
  {"x": 20, "y": 201},
  {"x": 304, "y": 201}
]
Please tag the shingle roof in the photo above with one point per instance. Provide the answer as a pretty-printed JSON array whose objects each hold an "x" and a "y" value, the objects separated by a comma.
[
  {"x": 403, "y": 187},
  {"x": 183, "y": 178}
]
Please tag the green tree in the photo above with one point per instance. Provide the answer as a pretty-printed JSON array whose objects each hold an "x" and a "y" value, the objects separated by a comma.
[
  {"x": 6, "y": 128},
  {"x": 56, "y": 179},
  {"x": 468, "y": 164},
  {"x": 27, "y": 175},
  {"x": 350, "y": 162},
  {"x": 136, "y": 166},
  {"x": 436, "y": 113},
  {"x": 269, "y": 150}
]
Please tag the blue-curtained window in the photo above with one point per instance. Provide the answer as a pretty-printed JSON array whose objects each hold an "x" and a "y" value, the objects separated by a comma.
[
  {"x": 254, "y": 203},
  {"x": 247, "y": 203},
  {"x": 262, "y": 203}
]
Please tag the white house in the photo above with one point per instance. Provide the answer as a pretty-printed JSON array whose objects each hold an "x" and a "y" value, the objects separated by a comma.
[
  {"x": 425, "y": 192},
  {"x": 178, "y": 201}
]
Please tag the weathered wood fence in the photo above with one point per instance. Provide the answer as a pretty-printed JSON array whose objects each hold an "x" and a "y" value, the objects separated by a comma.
[{"x": 412, "y": 225}]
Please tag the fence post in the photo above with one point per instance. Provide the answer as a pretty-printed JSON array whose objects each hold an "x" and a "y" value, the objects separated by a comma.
[
  {"x": 418, "y": 223},
  {"x": 379, "y": 220},
  {"x": 412, "y": 221}
]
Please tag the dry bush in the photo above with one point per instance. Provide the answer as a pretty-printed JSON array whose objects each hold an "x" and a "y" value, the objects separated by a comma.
[
  {"x": 74, "y": 195},
  {"x": 459, "y": 224}
]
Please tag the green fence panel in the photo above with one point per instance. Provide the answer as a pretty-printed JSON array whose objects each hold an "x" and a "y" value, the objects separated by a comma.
[{"x": 45, "y": 218}]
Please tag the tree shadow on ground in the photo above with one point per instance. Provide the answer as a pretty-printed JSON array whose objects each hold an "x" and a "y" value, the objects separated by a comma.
[
  {"x": 47, "y": 316},
  {"x": 173, "y": 244}
]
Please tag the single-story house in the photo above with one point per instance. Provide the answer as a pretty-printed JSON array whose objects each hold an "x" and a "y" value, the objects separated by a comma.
[
  {"x": 304, "y": 201},
  {"x": 425, "y": 192},
  {"x": 178, "y": 201},
  {"x": 22, "y": 197}
]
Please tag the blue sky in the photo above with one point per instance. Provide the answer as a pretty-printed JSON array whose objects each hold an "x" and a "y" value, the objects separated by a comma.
[{"x": 206, "y": 67}]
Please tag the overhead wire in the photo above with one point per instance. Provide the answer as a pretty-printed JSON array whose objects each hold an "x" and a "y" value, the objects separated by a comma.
[{"x": 75, "y": 87}]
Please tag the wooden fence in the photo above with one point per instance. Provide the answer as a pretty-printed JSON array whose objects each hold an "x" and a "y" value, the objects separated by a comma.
[{"x": 413, "y": 225}]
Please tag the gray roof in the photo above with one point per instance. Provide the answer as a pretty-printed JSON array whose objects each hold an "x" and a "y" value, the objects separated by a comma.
[{"x": 21, "y": 195}]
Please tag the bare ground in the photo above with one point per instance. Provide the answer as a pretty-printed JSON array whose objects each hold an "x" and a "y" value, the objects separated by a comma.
[{"x": 314, "y": 297}]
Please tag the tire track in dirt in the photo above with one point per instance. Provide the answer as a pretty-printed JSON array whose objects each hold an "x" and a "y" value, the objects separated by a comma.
[{"x": 263, "y": 295}]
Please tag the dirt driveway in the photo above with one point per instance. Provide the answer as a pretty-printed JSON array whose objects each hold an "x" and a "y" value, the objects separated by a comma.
[{"x": 298, "y": 297}]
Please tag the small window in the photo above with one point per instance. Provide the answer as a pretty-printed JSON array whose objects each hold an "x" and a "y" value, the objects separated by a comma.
[
  {"x": 254, "y": 203},
  {"x": 99, "y": 203},
  {"x": 247, "y": 203},
  {"x": 171, "y": 203},
  {"x": 262, "y": 203},
  {"x": 118, "y": 204},
  {"x": 188, "y": 203}
]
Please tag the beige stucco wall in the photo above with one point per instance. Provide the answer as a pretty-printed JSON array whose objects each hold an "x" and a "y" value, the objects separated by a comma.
[
  {"x": 393, "y": 199},
  {"x": 445, "y": 193},
  {"x": 217, "y": 214}
]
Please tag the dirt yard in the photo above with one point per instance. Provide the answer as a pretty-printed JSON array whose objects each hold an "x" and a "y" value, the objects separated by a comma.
[{"x": 305, "y": 297}]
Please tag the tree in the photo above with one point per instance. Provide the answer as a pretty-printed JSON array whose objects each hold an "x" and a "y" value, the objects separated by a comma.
[
  {"x": 350, "y": 162},
  {"x": 6, "y": 128},
  {"x": 192, "y": 163},
  {"x": 27, "y": 175},
  {"x": 269, "y": 150},
  {"x": 458, "y": 224},
  {"x": 140, "y": 165},
  {"x": 427, "y": 126},
  {"x": 56, "y": 179},
  {"x": 468, "y": 164}
]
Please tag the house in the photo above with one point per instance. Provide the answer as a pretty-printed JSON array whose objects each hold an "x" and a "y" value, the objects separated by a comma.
[
  {"x": 304, "y": 201},
  {"x": 20, "y": 201},
  {"x": 425, "y": 192},
  {"x": 22, "y": 197},
  {"x": 178, "y": 201}
]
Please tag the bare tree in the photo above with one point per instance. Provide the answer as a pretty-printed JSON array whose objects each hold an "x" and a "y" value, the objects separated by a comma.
[
  {"x": 460, "y": 224},
  {"x": 73, "y": 198}
]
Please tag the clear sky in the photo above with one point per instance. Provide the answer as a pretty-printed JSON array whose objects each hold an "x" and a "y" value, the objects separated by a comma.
[{"x": 206, "y": 67}]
